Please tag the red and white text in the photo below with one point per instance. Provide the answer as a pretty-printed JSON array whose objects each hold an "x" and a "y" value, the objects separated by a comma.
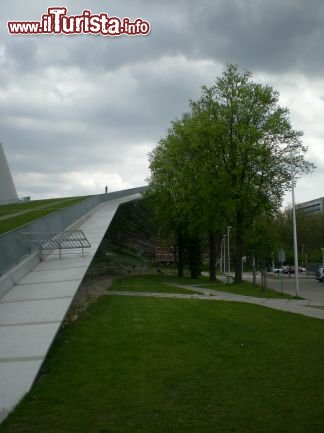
[{"x": 57, "y": 21}]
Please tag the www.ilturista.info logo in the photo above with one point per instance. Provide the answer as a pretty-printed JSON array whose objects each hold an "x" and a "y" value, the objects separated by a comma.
[{"x": 56, "y": 21}]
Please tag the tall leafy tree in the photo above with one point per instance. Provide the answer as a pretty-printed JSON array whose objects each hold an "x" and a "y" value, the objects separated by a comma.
[
  {"x": 310, "y": 235},
  {"x": 253, "y": 142},
  {"x": 183, "y": 166},
  {"x": 168, "y": 185},
  {"x": 228, "y": 162}
]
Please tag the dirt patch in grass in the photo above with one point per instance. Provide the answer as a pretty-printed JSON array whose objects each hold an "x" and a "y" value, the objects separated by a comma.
[
  {"x": 90, "y": 290},
  {"x": 93, "y": 286}
]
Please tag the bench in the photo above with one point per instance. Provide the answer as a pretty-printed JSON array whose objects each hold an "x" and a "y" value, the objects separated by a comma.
[{"x": 51, "y": 241}]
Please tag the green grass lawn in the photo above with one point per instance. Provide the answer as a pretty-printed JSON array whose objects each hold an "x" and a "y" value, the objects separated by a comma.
[
  {"x": 153, "y": 365},
  {"x": 148, "y": 283},
  {"x": 16, "y": 215},
  {"x": 157, "y": 282},
  {"x": 248, "y": 289}
]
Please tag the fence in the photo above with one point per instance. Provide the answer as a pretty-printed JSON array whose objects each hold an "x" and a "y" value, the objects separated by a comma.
[{"x": 13, "y": 248}]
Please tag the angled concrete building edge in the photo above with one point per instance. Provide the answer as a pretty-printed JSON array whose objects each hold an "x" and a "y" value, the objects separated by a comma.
[{"x": 32, "y": 310}]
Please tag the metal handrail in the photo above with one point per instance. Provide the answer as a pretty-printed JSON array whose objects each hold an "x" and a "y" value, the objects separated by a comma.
[{"x": 49, "y": 241}]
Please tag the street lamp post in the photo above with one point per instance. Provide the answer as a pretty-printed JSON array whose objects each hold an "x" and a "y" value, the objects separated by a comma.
[
  {"x": 224, "y": 253},
  {"x": 228, "y": 249},
  {"x": 254, "y": 270},
  {"x": 221, "y": 256},
  {"x": 294, "y": 223}
]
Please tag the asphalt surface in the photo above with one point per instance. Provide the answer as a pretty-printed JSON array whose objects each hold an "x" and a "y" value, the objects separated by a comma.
[{"x": 309, "y": 287}]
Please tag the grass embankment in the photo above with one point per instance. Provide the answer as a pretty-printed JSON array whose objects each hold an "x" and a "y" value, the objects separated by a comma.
[
  {"x": 16, "y": 215},
  {"x": 152, "y": 365}
]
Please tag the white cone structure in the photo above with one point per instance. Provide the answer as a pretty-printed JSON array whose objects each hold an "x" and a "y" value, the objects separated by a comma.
[{"x": 8, "y": 191}]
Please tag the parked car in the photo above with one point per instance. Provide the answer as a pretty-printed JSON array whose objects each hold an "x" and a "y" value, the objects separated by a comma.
[
  {"x": 278, "y": 270},
  {"x": 291, "y": 269},
  {"x": 319, "y": 275}
]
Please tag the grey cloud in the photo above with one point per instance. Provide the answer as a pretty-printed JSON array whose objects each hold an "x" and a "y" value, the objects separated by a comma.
[
  {"x": 262, "y": 35},
  {"x": 275, "y": 36},
  {"x": 92, "y": 104}
]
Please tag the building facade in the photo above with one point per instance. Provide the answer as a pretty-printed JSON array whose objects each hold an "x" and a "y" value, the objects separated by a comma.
[
  {"x": 312, "y": 207},
  {"x": 8, "y": 193}
]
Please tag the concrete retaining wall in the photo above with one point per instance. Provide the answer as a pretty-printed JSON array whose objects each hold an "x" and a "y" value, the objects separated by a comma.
[{"x": 14, "y": 249}]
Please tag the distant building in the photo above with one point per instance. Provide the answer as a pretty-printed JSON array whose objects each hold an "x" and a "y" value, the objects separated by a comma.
[
  {"x": 8, "y": 193},
  {"x": 312, "y": 207},
  {"x": 165, "y": 254}
]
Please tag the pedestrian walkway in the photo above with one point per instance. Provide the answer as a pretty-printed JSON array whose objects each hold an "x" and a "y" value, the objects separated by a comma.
[
  {"x": 31, "y": 313},
  {"x": 305, "y": 307}
]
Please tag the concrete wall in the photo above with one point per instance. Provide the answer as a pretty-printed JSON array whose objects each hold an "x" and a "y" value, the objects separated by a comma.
[{"x": 14, "y": 249}]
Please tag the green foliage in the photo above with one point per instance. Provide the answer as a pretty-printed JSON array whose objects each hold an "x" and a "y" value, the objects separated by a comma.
[
  {"x": 228, "y": 161},
  {"x": 310, "y": 235}
]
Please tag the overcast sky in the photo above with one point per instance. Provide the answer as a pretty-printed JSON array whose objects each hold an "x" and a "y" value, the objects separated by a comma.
[{"x": 81, "y": 112}]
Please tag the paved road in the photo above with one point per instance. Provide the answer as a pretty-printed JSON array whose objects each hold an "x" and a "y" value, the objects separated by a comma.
[{"x": 309, "y": 288}]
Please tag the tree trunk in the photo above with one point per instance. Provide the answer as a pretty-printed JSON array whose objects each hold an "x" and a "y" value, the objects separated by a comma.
[
  {"x": 254, "y": 270},
  {"x": 180, "y": 261},
  {"x": 212, "y": 256},
  {"x": 238, "y": 257},
  {"x": 194, "y": 252}
]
